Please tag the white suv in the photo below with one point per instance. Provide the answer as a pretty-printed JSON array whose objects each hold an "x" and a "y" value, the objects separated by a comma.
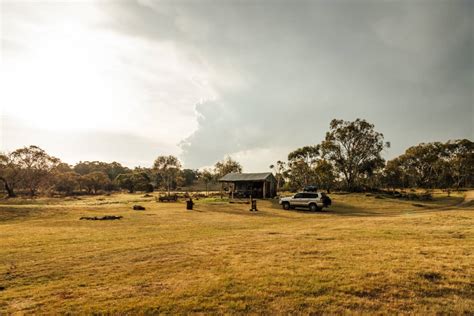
[{"x": 315, "y": 201}]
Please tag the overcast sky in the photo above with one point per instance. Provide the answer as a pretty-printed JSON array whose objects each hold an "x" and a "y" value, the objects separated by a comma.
[{"x": 127, "y": 81}]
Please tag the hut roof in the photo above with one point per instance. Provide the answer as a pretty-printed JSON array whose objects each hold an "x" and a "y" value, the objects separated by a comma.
[{"x": 243, "y": 177}]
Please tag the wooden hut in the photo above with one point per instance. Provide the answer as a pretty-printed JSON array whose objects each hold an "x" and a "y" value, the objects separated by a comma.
[{"x": 244, "y": 185}]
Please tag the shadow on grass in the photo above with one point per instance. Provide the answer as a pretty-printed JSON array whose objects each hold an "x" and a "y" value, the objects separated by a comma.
[
  {"x": 12, "y": 213},
  {"x": 339, "y": 209}
]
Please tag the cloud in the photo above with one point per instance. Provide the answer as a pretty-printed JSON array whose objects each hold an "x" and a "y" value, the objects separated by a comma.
[
  {"x": 251, "y": 79},
  {"x": 303, "y": 64},
  {"x": 67, "y": 71}
]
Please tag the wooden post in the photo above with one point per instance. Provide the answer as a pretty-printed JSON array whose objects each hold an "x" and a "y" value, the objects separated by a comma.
[
  {"x": 233, "y": 189},
  {"x": 264, "y": 189},
  {"x": 253, "y": 205}
]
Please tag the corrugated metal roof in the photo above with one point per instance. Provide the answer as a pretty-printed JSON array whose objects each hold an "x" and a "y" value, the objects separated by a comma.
[{"x": 235, "y": 177}]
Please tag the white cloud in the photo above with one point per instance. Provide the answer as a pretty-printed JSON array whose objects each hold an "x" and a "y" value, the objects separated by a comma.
[{"x": 70, "y": 74}]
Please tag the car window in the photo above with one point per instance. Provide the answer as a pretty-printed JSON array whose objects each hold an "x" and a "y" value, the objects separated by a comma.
[
  {"x": 311, "y": 195},
  {"x": 298, "y": 196}
]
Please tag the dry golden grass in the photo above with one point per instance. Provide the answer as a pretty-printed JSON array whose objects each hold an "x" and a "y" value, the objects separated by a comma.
[{"x": 364, "y": 255}]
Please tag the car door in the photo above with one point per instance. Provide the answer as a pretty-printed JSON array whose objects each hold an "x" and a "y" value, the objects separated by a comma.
[
  {"x": 297, "y": 199},
  {"x": 316, "y": 197},
  {"x": 311, "y": 197}
]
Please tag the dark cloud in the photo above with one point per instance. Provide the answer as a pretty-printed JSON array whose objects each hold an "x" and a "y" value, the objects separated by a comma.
[{"x": 407, "y": 67}]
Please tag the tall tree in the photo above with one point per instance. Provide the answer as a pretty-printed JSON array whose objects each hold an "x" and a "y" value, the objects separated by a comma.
[
  {"x": 308, "y": 154},
  {"x": 9, "y": 174},
  {"x": 228, "y": 165},
  {"x": 35, "y": 166},
  {"x": 167, "y": 168},
  {"x": 461, "y": 162},
  {"x": 325, "y": 175},
  {"x": 352, "y": 147},
  {"x": 301, "y": 163},
  {"x": 279, "y": 169}
]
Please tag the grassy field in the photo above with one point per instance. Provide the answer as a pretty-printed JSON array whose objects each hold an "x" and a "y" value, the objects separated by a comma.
[{"x": 366, "y": 254}]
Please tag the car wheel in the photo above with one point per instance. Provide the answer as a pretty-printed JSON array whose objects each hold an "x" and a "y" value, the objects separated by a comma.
[
  {"x": 313, "y": 207},
  {"x": 286, "y": 205}
]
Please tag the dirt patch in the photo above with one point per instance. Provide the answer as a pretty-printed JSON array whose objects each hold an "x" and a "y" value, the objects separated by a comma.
[{"x": 431, "y": 276}]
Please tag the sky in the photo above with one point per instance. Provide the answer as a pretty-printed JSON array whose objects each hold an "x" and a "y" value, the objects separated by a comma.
[{"x": 128, "y": 81}]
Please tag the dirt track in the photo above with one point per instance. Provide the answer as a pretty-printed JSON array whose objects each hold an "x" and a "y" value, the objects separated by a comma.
[{"x": 468, "y": 199}]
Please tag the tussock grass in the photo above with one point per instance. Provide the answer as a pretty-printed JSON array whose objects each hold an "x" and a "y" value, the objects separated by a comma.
[{"x": 363, "y": 255}]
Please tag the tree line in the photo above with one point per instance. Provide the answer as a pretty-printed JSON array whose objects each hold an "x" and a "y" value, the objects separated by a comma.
[
  {"x": 30, "y": 170},
  {"x": 348, "y": 158}
]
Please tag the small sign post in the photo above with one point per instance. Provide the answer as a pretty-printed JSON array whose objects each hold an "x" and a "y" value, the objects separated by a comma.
[
  {"x": 253, "y": 205},
  {"x": 189, "y": 204}
]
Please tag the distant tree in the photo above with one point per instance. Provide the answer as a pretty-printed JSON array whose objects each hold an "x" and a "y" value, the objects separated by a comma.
[
  {"x": 112, "y": 169},
  {"x": 393, "y": 176},
  {"x": 279, "y": 169},
  {"x": 460, "y": 155},
  {"x": 85, "y": 167},
  {"x": 301, "y": 163},
  {"x": 325, "y": 175},
  {"x": 9, "y": 174},
  {"x": 419, "y": 164},
  {"x": 134, "y": 181},
  {"x": 352, "y": 147},
  {"x": 189, "y": 176},
  {"x": 207, "y": 177},
  {"x": 228, "y": 165},
  {"x": 62, "y": 167},
  {"x": 167, "y": 168},
  {"x": 95, "y": 181},
  {"x": 299, "y": 174},
  {"x": 66, "y": 182},
  {"x": 433, "y": 165},
  {"x": 35, "y": 166}
]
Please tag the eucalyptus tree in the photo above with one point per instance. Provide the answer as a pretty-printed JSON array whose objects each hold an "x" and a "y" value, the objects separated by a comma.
[
  {"x": 167, "y": 168},
  {"x": 354, "y": 148},
  {"x": 34, "y": 166},
  {"x": 228, "y": 165}
]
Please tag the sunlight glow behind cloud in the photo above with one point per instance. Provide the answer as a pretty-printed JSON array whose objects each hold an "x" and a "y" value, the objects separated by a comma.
[
  {"x": 130, "y": 80},
  {"x": 68, "y": 75}
]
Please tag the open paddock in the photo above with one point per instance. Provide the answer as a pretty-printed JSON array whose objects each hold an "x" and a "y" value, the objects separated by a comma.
[{"x": 365, "y": 254}]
